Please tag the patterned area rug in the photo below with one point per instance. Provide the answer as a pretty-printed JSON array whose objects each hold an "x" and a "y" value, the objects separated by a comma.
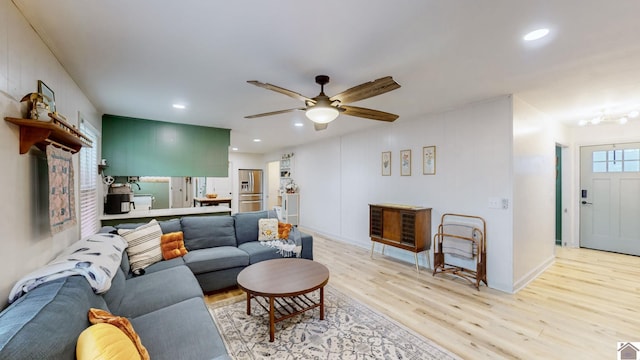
[{"x": 351, "y": 330}]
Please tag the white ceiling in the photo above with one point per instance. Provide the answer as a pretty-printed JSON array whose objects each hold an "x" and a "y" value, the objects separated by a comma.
[{"x": 137, "y": 58}]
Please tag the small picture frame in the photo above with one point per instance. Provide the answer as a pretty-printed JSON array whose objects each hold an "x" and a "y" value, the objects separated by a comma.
[
  {"x": 405, "y": 163},
  {"x": 429, "y": 160},
  {"x": 50, "y": 95},
  {"x": 386, "y": 163}
]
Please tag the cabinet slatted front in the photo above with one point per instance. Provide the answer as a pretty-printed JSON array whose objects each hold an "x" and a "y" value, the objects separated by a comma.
[{"x": 401, "y": 226}]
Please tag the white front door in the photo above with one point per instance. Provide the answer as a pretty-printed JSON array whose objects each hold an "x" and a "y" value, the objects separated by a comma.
[{"x": 610, "y": 198}]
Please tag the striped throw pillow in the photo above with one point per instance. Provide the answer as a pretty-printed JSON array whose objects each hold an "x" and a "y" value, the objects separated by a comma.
[{"x": 144, "y": 245}]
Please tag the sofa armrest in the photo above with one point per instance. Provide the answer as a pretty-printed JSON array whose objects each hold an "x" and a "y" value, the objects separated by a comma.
[{"x": 307, "y": 245}]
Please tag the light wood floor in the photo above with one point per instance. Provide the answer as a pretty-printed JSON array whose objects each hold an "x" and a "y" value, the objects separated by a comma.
[{"x": 579, "y": 308}]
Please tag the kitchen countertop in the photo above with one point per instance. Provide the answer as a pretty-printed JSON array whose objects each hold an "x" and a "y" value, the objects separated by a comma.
[{"x": 163, "y": 214}]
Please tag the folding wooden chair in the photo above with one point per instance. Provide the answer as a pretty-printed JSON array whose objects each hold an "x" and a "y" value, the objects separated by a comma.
[{"x": 461, "y": 239}]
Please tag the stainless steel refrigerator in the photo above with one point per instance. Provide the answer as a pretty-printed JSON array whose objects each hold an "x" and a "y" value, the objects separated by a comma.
[{"x": 250, "y": 196}]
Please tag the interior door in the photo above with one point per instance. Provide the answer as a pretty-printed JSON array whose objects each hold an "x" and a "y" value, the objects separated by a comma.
[{"x": 610, "y": 198}]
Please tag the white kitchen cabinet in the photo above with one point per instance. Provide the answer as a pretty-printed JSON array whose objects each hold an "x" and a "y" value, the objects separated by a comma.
[{"x": 291, "y": 208}]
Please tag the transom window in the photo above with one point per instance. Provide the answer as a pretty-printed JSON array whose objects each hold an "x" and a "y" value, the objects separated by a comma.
[{"x": 623, "y": 160}]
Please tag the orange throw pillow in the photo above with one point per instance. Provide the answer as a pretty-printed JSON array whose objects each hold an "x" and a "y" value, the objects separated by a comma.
[
  {"x": 172, "y": 245},
  {"x": 98, "y": 316},
  {"x": 283, "y": 230}
]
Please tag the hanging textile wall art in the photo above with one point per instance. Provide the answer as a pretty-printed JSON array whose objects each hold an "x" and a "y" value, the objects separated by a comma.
[{"x": 62, "y": 214}]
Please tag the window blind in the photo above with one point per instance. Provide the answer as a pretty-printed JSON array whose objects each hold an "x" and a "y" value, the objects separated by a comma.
[{"x": 89, "y": 222}]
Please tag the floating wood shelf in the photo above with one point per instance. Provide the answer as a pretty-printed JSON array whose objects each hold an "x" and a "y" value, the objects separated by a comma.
[{"x": 55, "y": 132}]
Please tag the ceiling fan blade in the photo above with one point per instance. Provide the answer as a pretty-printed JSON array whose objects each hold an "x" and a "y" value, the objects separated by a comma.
[
  {"x": 280, "y": 90},
  {"x": 368, "y": 113},
  {"x": 319, "y": 127},
  {"x": 272, "y": 113},
  {"x": 366, "y": 90}
]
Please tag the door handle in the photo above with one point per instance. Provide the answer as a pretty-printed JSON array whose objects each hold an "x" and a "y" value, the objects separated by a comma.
[{"x": 586, "y": 203}]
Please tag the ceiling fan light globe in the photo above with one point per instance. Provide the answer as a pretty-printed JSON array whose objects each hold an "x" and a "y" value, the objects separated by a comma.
[{"x": 322, "y": 114}]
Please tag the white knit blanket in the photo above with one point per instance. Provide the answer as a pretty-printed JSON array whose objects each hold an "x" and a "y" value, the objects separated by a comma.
[
  {"x": 464, "y": 248},
  {"x": 287, "y": 247},
  {"x": 96, "y": 257}
]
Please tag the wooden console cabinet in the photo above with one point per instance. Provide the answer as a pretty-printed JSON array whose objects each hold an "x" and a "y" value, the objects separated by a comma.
[{"x": 401, "y": 226}]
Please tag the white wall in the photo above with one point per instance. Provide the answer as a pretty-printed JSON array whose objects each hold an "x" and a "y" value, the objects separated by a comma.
[
  {"x": 535, "y": 137},
  {"x": 339, "y": 177},
  {"x": 24, "y": 59}
]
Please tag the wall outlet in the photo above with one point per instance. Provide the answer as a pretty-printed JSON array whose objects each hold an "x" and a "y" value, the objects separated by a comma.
[{"x": 498, "y": 203}]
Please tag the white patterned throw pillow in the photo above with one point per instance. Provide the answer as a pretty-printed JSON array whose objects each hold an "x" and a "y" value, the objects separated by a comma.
[
  {"x": 144, "y": 245},
  {"x": 267, "y": 229}
]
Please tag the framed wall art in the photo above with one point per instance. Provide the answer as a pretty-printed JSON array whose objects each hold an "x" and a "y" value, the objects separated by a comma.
[
  {"x": 429, "y": 160},
  {"x": 405, "y": 163},
  {"x": 386, "y": 163},
  {"x": 50, "y": 95}
]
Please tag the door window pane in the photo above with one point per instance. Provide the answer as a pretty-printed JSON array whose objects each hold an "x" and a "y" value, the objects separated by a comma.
[
  {"x": 615, "y": 166},
  {"x": 632, "y": 154},
  {"x": 599, "y": 156},
  {"x": 599, "y": 167},
  {"x": 631, "y": 166}
]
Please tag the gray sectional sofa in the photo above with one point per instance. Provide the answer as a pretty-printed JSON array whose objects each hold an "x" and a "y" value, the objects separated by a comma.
[{"x": 165, "y": 305}]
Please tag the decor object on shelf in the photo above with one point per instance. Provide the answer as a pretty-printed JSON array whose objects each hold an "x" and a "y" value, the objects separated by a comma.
[
  {"x": 211, "y": 196},
  {"x": 402, "y": 226},
  {"x": 291, "y": 187},
  {"x": 429, "y": 160},
  {"x": 37, "y": 106},
  {"x": 323, "y": 109},
  {"x": 461, "y": 248},
  {"x": 386, "y": 163},
  {"x": 62, "y": 202},
  {"x": 49, "y": 94},
  {"x": 405, "y": 163}
]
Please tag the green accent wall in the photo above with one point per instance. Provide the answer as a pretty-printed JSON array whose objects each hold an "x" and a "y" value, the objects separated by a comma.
[{"x": 141, "y": 147}]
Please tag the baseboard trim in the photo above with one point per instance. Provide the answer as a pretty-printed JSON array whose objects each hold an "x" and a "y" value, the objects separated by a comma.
[{"x": 533, "y": 274}]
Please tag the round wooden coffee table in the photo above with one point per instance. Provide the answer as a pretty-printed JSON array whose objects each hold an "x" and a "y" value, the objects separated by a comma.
[{"x": 285, "y": 283}]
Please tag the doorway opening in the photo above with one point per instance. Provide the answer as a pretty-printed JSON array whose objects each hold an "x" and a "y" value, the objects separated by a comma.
[{"x": 558, "y": 195}]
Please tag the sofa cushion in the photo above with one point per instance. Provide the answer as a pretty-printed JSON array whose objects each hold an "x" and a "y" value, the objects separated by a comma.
[
  {"x": 99, "y": 316},
  {"x": 258, "y": 252},
  {"x": 172, "y": 245},
  {"x": 160, "y": 332},
  {"x": 169, "y": 226},
  {"x": 284, "y": 230},
  {"x": 150, "y": 292},
  {"x": 218, "y": 258},
  {"x": 247, "y": 224},
  {"x": 166, "y": 264},
  {"x": 208, "y": 231},
  {"x": 267, "y": 229},
  {"x": 40, "y": 325},
  {"x": 144, "y": 245},
  {"x": 105, "y": 341}
]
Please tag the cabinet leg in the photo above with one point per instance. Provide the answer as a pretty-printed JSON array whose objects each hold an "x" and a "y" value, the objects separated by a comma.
[
  {"x": 415, "y": 256},
  {"x": 383, "y": 245},
  {"x": 372, "y": 245}
]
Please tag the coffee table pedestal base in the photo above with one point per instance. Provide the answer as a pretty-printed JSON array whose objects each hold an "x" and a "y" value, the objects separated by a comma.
[{"x": 285, "y": 307}]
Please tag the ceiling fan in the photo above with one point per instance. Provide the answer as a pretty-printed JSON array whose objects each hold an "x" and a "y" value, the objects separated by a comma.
[{"x": 323, "y": 109}]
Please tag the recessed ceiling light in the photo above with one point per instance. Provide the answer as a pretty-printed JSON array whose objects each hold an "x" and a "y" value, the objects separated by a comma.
[
  {"x": 179, "y": 106},
  {"x": 596, "y": 120},
  {"x": 298, "y": 124},
  {"x": 582, "y": 122},
  {"x": 257, "y": 140},
  {"x": 536, "y": 34},
  {"x": 234, "y": 149},
  {"x": 634, "y": 114},
  {"x": 623, "y": 120}
]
